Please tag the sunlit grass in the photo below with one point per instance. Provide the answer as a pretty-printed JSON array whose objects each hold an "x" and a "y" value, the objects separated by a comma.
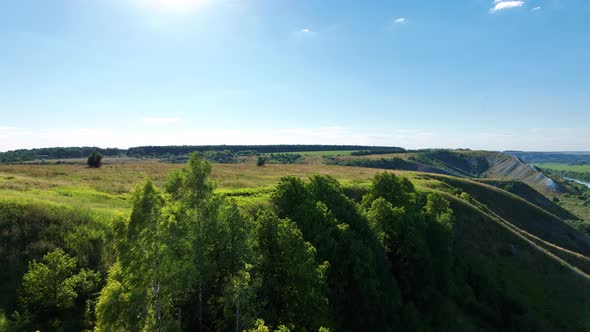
[{"x": 107, "y": 189}]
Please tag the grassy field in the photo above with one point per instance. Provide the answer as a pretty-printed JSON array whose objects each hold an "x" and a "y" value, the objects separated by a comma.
[
  {"x": 565, "y": 167},
  {"x": 107, "y": 189}
]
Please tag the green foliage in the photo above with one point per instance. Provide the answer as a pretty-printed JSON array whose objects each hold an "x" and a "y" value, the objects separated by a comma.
[
  {"x": 177, "y": 154},
  {"x": 286, "y": 259},
  {"x": 567, "y": 172},
  {"x": 361, "y": 293},
  {"x": 239, "y": 297},
  {"x": 247, "y": 153},
  {"x": 260, "y": 326},
  {"x": 398, "y": 191},
  {"x": 189, "y": 259},
  {"x": 282, "y": 158},
  {"x": 154, "y": 268},
  {"x": 261, "y": 161},
  {"x": 183, "y": 251},
  {"x": 55, "y": 153},
  {"x": 214, "y": 156},
  {"x": 222, "y": 157},
  {"x": 94, "y": 160},
  {"x": 29, "y": 231},
  {"x": 191, "y": 184},
  {"x": 186, "y": 258},
  {"x": 418, "y": 243},
  {"x": 373, "y": 152},
  {"x": 159, "y": 151},
  {"x": 388, "y": 163},
  {"x": 581, "y": 225},
  {"x": 453, "y": 162},
  {"x": 51, "y": 289}
]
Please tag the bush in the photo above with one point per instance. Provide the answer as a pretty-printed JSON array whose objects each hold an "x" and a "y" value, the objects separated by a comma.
[{"x": 94, "y": 160}]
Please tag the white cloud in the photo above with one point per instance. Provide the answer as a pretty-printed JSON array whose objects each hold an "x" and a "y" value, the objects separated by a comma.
[
  {"x": 502, "y": 5},
  {"x": 400, "y": 20},
  {"x": 536, "y": 9},
  {"x": 7, "y": 128},
  {"x": 160, "y": 121}
]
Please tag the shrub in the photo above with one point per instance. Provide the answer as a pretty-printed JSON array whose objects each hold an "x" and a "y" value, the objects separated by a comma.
[{"x": 94, "y": 160}]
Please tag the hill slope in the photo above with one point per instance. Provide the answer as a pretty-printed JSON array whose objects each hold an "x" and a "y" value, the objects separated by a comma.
[{"x": 460, "y": 163}]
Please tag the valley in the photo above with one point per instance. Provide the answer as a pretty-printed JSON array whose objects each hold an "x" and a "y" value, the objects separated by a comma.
[{"x": 515, "y": 259}]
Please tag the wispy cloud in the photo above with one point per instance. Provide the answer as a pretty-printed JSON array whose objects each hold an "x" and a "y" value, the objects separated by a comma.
[
  {"x": 400, "y": 20},
  {"x": 160, "y": 121},
  {"x": 304, "y": 34},
  {"x": 502, "y": 5},
  {"x": 536, "y": 9}
]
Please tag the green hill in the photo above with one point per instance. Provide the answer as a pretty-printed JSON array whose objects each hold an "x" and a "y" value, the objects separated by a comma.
[
  {"x": 515, "y": 263},
  {"x": 460, "y": 163},
  {"x": 529, "y": 194},
  {"x": 537, "y": 288},
  {"x": 540, "y": 261}
]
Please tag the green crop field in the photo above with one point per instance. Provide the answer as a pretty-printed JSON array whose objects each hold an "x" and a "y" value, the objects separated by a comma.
[{"x": 565, "y": 167}]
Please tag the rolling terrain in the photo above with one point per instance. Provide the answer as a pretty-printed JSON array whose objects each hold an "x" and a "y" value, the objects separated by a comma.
[
  {"x": 461, "y": 163},
  {"x": 512, "y": 245}
]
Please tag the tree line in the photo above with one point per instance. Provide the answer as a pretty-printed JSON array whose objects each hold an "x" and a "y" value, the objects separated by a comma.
[
  {"x": 216, "y": 151},
  {"x": 156, "y": 151},
  {"x": 56, "y": 153}
]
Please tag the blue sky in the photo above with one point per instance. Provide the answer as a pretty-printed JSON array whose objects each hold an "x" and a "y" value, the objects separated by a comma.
[{"x": 482, "y": 74}]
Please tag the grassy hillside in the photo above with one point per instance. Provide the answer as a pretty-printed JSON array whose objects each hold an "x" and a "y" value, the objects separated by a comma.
[
  {"x": 461, "y": 163},
  {"x": 544, "y": 293},
  {"x": 511, "y": 244},
  {"x": 524, "y": 215},
  {"x": 529, "y": 194}
]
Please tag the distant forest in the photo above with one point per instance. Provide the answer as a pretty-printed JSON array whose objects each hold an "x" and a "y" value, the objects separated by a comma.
[{"x": 168, "y": 151}]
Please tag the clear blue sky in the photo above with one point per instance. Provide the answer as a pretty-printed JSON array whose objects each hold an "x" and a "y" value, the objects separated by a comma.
[{"x": 481, "y": 74}]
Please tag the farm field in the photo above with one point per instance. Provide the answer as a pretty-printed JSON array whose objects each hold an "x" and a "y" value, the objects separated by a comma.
[{"x": 564, "y": 167}]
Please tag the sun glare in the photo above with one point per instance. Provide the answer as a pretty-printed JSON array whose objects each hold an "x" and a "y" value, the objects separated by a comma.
[{"x": 176, "y": 6}]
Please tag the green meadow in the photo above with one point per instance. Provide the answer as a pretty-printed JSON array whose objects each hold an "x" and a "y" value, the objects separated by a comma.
[
  {"x": 107, "y": 189},
  {"x": 565, "y": 167}
]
